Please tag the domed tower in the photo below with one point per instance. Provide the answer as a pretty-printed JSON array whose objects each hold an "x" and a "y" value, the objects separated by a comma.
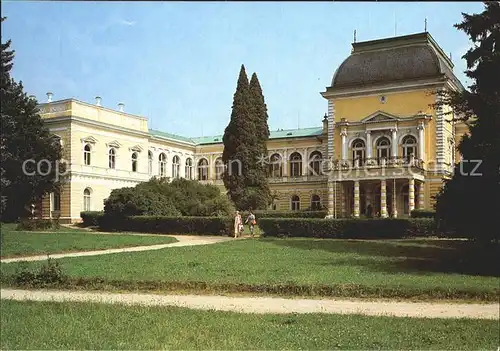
[{"x": 381, "y": 118}]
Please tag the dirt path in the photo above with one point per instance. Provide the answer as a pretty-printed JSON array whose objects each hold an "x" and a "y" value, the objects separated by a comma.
[
  {"x": 183, "y": 240},
  {"x": 267, "y": 304}
]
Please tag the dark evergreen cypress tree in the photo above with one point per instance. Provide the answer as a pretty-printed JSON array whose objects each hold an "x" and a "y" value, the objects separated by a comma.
[
  {"x": 236, "y": 139},
  {"x": 23, "y": 137},
  {"x": 244, "y": 145},
  {"x": 469, "y": 202},
  {"x": 259, "y": 116}
]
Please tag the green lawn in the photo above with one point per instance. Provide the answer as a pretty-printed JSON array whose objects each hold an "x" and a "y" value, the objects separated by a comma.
[
  {"x": 389, "y": 268},
  {"x": 52, "y": 325},
  {"x": 22, "y": 243}
]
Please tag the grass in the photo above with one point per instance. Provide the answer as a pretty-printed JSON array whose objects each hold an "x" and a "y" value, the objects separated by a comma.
[
  {"x": 419, "y": 269},
  {"x": 23, "y": 243},
  {"x": 52, "y": 325}
]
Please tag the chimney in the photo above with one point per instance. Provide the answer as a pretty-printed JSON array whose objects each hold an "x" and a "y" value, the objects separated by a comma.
[
  {"x": 120, "y": 106},
  {"x": 49, "y": 96},
  {"x": 98, "y": 100}
]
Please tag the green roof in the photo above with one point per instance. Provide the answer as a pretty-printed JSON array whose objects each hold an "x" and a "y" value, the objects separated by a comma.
[{"x": 279, "y": 134}]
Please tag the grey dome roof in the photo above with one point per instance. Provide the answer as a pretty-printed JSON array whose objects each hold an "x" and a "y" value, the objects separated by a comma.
[{"x": 391, "y": 60}]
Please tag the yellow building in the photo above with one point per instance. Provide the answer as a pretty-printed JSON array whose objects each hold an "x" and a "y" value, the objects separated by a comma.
[{"x": 382, "y": 144}]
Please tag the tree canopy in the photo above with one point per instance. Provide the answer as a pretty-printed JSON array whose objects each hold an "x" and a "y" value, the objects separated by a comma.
[
  {"x": 245, "y": 148},
  {"x": 24, "y": 138},
  {"x": 468, "y": 203}
]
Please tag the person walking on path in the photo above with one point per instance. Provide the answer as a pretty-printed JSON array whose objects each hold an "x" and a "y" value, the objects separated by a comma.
[
  {"x": 251, "y": 222},
  {"x": 237, "y": 224}
]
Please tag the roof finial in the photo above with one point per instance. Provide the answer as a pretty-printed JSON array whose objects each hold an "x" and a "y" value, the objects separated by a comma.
[
  {"x": 451, "y": 59},
  {"x": 355, "y": 35},
  {"x": 425, "y": 25}
]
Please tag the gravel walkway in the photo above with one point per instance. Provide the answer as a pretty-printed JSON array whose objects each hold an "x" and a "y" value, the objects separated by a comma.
[
  {"x": 182, "y": 240},
  {"x": 268, "y": 304}
]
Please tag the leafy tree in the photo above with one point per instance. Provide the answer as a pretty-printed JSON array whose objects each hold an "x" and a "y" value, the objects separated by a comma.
[
  {"x": 244, "y": 145},
  {"x": 136, "y": 202},
  {"x": 23, "y": 137},
  {"x": 468, "y": 203},
  {"x": 158, "y": 197}
]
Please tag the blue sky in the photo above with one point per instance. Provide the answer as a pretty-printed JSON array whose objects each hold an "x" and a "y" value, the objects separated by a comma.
[{"x": 177, "y": 63}]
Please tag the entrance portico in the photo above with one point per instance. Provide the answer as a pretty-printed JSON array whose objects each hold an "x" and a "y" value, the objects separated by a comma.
[{"x": 386, "y": 197}]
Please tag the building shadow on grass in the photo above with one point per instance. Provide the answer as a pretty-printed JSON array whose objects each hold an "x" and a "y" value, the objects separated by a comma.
[{"x": 419, "y": 256}]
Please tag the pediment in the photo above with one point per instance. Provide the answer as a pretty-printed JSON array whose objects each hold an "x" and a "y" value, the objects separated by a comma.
[
  {"x": 114, "y": 143},
  {"x": 137, "y": 148},
  {"x": 90, "y": 139},
  {"x": 380, "y": 116}
]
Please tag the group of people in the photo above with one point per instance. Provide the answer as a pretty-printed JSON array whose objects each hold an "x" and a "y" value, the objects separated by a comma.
[{"x": 238, "y": 223}]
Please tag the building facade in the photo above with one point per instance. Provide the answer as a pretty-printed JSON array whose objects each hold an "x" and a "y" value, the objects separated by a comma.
[{"x": 382, "y": 145}]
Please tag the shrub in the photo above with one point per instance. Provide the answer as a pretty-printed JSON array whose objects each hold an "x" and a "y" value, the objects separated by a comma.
[
  {"x": 49, "y": 274},
  {"x": 158, "y": 197},
  {"x": 170, "y": 225},
  {"x": 423, "y": 214},
  {"x": 38, "y": 224},
  {"x": 347, "y": 228},
  {"x": 136, "y": 202},
  {"x": 91, "y": 218}
]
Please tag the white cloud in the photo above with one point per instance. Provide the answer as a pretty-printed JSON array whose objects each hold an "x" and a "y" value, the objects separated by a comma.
[{"x": 127, "y": 23}]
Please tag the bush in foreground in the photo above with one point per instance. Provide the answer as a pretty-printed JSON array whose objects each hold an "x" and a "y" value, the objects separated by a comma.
[
  {"x": 348, "y": 228},
  {"x": 38, "y": 224},
  {"x": 423, "y": 214},
  {"x": 91, "y": 218}
]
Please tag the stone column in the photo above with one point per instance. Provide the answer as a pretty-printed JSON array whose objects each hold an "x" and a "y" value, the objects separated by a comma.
[
  {"x": 330, "y": 198},
  {"x": 421, "y": 142},
  {"x": 285, "y": 163},
  {"x": 369, "y": 146},
  {"x": 356, "y": 199},
  {"x": 383, "y": 200},
  {"x": 394, "y": 200},
  {"x": 394, "y": 143},
  {"x": 342, "y": 200},
  {"x": 343, "y": 134},
  {"x": 421, "y": 190},
  {"x": 411, "y": 194},
  {"x": 305, "y": 162}
]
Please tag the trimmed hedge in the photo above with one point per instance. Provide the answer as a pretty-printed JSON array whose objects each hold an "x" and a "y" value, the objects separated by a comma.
[
  {"x": 289, "y": 214},
  {"x": 423, "y": 214},
  {"x": 169, "y": 225},
  {"x": 91, "y": 218},
  {"x": 34, "y": 224},
  {"x": 348, "y": 228}
]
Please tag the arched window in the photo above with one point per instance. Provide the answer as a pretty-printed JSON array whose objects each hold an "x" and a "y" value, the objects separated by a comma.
[
  {"x": 203, "y": 169},
  {"x": 295, "y": 203},
  {"x": 315, "y": 163},
  {"x": 86, "y": 154},
  {"x": 295, "y": 165},
  {"x": 383, "y": 149},
  {"x": 112, "y": 158},
  {"x": 409, "y": 147},
  {"x": 189, "y": 168},
  {"x": 219, "y": 168},
  {"x": 358, "y": 151},
  {"x": 315, "y": 203},
  {"x": 162, "y": 166},
  {"x": 134, "y": 162},
  {"x": 176, "y": 167},
  {"x": 86, "y": 199},
  {"x": 275, "y": 166},
  {"x": 150, "y": 162}
]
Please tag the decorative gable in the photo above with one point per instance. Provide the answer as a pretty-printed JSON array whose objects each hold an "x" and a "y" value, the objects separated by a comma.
[
  {"x": 380, "y": 116},
  {"x": 136, "y": 148},
  {"x": 90, "y": 139},
  {"x": 114, "y": 144}
]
